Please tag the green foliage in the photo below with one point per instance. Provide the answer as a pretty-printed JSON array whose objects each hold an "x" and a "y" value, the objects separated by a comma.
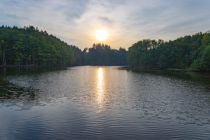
[
  {"x": 206, "y": 39},
  {"x": 189, "y": 52},
  {"x": 29, "y": 46},
  {"x": 202, "y": 63},
  {"x": 102, "y": 54}
]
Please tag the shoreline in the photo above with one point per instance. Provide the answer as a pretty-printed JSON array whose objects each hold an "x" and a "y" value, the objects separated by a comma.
[{"x": 136, "y": 69}]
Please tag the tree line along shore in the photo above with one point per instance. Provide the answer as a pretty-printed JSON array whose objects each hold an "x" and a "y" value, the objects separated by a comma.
[{"x": 31, "y": 47}]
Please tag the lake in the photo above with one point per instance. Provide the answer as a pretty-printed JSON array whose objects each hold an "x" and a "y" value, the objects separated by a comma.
[{"x": 104, "y": 103}]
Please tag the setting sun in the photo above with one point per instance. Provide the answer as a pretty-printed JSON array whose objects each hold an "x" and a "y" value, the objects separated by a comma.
[{"x": 101, "y": 35}]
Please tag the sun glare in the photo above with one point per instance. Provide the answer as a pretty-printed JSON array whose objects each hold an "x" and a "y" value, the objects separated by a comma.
[{"x": 101, "y": 35}]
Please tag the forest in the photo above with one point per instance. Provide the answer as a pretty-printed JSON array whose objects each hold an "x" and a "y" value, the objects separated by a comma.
[
  {"x": 190, "y": 53},
  {"x": 29, "y": 46},
  {"x": 102, "y": 54}
]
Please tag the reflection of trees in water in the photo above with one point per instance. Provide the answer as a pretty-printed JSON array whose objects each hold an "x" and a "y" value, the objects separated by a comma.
[{"x": 11, "y": 95}]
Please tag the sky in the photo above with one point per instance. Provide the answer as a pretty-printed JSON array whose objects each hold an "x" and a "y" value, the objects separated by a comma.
[{"x": 126, "y": 21}]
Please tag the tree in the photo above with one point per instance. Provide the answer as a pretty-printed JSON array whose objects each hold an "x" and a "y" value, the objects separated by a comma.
[
  {"x": 28, "y": 45},
  {"x": 189, "y": 52}
]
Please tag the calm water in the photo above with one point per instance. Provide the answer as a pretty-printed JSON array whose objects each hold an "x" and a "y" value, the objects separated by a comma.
[{"x": 104, "y": 103}]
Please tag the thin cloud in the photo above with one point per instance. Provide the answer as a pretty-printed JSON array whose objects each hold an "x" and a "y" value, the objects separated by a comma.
[{"x": 128, "y": 21}]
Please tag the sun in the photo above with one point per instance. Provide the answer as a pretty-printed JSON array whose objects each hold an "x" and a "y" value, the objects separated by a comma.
[{"x": 101, "y": 35}]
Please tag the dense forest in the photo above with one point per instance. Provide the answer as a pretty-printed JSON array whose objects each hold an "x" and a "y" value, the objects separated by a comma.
[
  {"x": 102, "y": 54},
  {"x": 29, "y": 46},
  {"x": 189, "y": 53}
]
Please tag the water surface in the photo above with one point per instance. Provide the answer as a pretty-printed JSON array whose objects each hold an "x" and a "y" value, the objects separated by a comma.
[{"x": 104, "y": 103}]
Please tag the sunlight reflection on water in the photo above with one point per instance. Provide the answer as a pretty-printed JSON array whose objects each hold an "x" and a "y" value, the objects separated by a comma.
[
  {"x": 100, "y": 86},
  {"x": 92, "y": 102}
]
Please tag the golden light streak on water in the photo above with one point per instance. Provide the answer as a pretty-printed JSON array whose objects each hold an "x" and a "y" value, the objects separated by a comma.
[{"x": 100, "y": 86}]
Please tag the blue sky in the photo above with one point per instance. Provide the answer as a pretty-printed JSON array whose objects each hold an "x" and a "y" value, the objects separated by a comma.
[{"x": 127, "y": 21}]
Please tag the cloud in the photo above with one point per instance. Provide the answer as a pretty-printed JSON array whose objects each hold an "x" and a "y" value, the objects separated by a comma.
[
  {"x": 128, "y": 21},
  {"x": 105, "y": 20}
]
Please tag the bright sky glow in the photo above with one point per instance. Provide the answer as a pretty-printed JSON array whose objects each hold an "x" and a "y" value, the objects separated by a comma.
[
  {"x": 101, "y": 35},
  {"x": 128, "y": 21}
]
